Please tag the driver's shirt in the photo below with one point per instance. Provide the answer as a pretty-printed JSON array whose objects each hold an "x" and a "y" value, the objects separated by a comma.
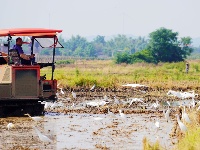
[{"x": 19, "y": 49}]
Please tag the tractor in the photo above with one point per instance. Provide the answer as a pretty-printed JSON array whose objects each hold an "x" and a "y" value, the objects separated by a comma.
[{"x": 22, "y": 88}]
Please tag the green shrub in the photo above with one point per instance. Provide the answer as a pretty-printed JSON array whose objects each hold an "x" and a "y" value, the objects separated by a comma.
[{"x": 64, "y": 62}]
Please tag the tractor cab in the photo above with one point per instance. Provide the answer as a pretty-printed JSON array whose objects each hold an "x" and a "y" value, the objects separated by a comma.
[{"x": 22, "y": 88}]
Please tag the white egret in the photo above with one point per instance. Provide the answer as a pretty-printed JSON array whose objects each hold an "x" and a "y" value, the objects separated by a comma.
[
  {"x": 181, "y": 125},
  {"x": 185, "y": 116},
  {"x": 189, "y": 94},
  {"x": 134, "y": 85},
  {"x": 123, "y": 116},
  {"x": 136, "y": 100},
  {"x": 96, "y": 103},
  {"x": 182, "y": 95},
  {"x": 174, "y": 93},
  {"x": 105, "y": 97},
  {"x": 73, "y": 105},
  {"x": 155, "y": 105},
  {"x": 168, "y": 103},
  {"x": 57, "y": 105},
  {"x": 73, "y": 94},
  {"x": 157, "y": 124},
  {"x": 10, "y": 126},
  {"x": 42, "y": 137},
  {"x": 192, "y": 103},
  {"x": 36, "y": 118},
  {"x": 198, "y": 108},
  {"x": 93, "y": 104},
  {"x": 102, "y": 103},
  {"x": 61, "y": 91},
  {"x": 111, "y": 114},
  {"x": 98, "y": 118},
  {"x": 116, "y": 100},
  {"x": 47, "y": 105},
  {"x": 92, "y": 88},
  {"x": 166, "y": 114}
]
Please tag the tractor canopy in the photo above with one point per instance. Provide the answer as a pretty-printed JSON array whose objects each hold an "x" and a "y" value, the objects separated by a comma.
[{"x": 34, "y": 37}]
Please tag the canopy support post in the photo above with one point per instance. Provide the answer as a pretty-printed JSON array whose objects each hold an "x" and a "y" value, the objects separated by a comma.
[
  {"x": 9, "y": 39},
  {"x": 54, "y": 49},
  {"x": 32, "y": 44}
]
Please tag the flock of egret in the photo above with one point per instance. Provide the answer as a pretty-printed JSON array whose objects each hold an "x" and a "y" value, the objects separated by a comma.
[
  {"x": 103, "y": 102},
  {"x": 156, "y": 105},
  {"x": 184, "y": 115},
  {"x": 130, "y": 101},
  {"x": 182, "y": 95}
]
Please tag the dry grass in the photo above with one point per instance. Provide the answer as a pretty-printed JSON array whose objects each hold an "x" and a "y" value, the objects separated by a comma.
[
  {"x": 151, "y": 146},
  {"x": 104, "y": 73}
]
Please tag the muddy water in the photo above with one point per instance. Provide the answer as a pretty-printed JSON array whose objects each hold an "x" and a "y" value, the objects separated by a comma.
[{"x": 85, "y": 131}]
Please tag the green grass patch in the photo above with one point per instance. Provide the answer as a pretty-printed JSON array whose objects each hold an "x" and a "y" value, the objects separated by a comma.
[
  {"x": 65, "y": 62},
  {"x": 107, "y": 74}
]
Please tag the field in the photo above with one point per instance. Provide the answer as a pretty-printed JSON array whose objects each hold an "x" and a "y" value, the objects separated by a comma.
[
  {"x": 77, "y": 125},
  {"x": 109, "y": 78},
  {"x": 106, "y": 74}
]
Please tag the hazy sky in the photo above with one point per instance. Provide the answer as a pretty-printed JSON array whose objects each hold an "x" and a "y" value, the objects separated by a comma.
[{"x": 103, "y": 17}]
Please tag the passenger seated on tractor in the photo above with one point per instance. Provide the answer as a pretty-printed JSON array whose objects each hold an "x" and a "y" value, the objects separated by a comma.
[
  {"x": 3, "y": 58},
  {"x": 25, "y": 59}
]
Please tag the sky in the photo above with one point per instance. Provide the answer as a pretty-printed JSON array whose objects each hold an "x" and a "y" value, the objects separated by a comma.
[{"x": 103, "y": 17}]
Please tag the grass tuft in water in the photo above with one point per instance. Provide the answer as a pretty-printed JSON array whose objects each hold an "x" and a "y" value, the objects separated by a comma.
[{"x": 151, "y": 146}]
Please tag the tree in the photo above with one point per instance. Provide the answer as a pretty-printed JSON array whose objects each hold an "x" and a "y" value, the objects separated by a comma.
[
  {"x": 90, "y": 51},
  {"x": 165, "y": 46},
  {"x": 76, "y": 46},
  {"x": 100, "y": 39},
  {"x": 142, "y": 56},
  {"x": 186, "y": 41},
  {"x": 98, "y": 45},
  {"x": 76, "y": 41},
  {"x": 123, "y": 58}
]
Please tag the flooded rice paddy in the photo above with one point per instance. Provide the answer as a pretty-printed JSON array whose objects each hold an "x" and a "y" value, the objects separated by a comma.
[
  {"x": 74, "y": 124},
  {"x": 85, "y": 131}
]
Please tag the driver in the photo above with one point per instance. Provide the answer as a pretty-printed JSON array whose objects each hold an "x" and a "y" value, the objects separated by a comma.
[{"x": 25, "y": 59}]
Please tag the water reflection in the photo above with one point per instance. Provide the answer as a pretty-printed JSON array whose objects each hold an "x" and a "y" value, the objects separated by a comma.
[{"x": 85, "y": 131}]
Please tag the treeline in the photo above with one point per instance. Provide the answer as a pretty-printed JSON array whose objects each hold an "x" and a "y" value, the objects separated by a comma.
[
  {"x": 78, "y": 46},
  {"x": 163, "y": 45}
]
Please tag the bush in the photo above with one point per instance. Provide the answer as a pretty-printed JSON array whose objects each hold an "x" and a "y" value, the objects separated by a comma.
[
  {"x": 142, "y": 56},
  {"x": 123, "y": 58},
  {"x": 65, "y": 62}
]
